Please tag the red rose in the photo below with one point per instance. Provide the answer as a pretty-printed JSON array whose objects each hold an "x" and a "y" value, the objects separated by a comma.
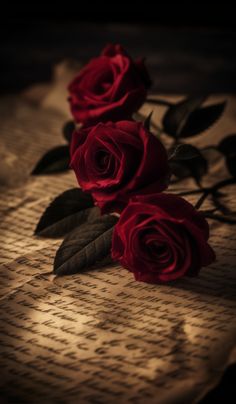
[
  {"x": 109, "y": 87},
  {"x": 160, "y": 238},
  {"x": 115, "y": 161}
]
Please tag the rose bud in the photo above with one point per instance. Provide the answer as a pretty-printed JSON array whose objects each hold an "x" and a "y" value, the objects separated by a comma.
[
  {"x": 115, "y": 161},
  {"x": 161, "y": 237},
  {"x": 110, "y": 87}
]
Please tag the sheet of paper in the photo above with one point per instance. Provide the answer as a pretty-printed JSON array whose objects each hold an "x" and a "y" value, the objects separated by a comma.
[{"x": 100, "y": 336}]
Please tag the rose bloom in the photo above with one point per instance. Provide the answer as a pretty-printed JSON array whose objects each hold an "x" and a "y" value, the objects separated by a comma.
[
  {"x": 110, "y": 87},
  {"x": 115, "y": 161},
  {"x": 161, "y": 237}
]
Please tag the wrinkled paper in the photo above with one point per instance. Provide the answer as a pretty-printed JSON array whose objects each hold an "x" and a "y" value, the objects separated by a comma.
[{"x": 100, "y": 336}]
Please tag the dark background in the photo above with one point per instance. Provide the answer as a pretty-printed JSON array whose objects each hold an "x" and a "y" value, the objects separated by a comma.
[{"x": 190, "y": 48}]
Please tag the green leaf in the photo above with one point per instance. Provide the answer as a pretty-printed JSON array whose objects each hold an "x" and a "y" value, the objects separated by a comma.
[
  {"x": 228, "y": 147},
  {"x": 177, "y": 115},
  {"x": 186, "y": 118},
  {"x": 54, "y": 161},
  {"x": 84, "y": 246},
  {"x": 231, "y": 164},
  {"x": 184, "y": 152},
  {"x": 195, "y": 168},
  {"x": 68, "y": 210},
  {"x": 68, "y": 130}
]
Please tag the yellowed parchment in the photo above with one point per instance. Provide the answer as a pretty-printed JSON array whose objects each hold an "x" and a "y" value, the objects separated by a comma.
[{"x": 100, "y": 336}]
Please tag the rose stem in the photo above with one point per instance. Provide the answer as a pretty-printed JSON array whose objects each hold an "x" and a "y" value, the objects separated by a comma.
[
  {"x": 193, "y": 192},
  {"x": 213, "y": 190},
  {"x": 219, "y": 218}
]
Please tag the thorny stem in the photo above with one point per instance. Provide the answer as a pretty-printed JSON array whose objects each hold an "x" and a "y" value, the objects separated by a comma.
[
  {"x": 213, "y": 190},
  {"x": 193, "y": 192},
  {"x": 202, "y": 198},
  {"x": 220, "y": 218},
  {"x": 209, "y": 190}
]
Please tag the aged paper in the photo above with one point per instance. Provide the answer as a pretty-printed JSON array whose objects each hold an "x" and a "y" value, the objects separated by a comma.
[{"x": 99, "y": 336}]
